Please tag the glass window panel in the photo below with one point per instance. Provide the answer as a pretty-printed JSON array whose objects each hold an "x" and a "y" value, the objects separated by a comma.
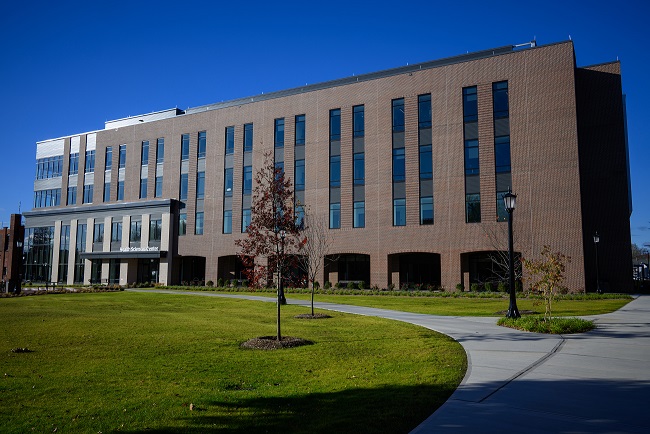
[
  {"x": 228, "y": 182},
  {"x": 159, "y": 186},
  {"x": 426, "y": 210},
  {"x": 200, "y": 185},
  {"x": 502, "y": 154},
  {"x": 248, "y": 137},
  {"x": 279, "y": 133},
  {"x": 230, "y": 140},
  {"x": 358, "y": 123},
  {"x": 473, "y": 208},
  {"x": 184, "y": 186},
  {"x": 143, "y": 188},
  {"x": 120, "y": 190},
  {"x": 227, "y": 222},
  {"x": 398, "y": 115},
  {"x": 502, "y": 214},
  {"x": 399, "y": 212},
  {"x": 335, "y": 215},
  {"x": 245, "y": 219},
  {"x": 160, "y": 151},
  {"x": 182, "y": 224},
  {"x": 198, "y": 228},
  {"x": 144, "y": 155},
  {"x": 359, "y": 216},
  {"x": 335, "y": 124},
  {"x": 300, "y": 175},
  {"x": 300, "y": 130},
  {"x": 359, "y": 169},
  {"x": 424, "y": 111},
  {"x": 202, "y": 145},
  {"x": 500, "y": 99},
  {"x": 399, "y": 165},
  {"x": 335, "y": 171},
  {"x": 470, "y": 104},
  {"x": 185, "y": 147},
  {"x": 248, "y": 180},
  {"x": 122, "y": 156},
  {"x": 426, "y": 163}
]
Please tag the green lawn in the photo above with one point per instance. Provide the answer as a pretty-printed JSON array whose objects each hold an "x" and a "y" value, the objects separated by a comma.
[
  {"x": 134, "y": 362},
  {"x": 463, "y": 306}
]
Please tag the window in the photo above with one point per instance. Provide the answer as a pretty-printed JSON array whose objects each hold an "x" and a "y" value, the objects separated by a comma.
[
  {"x": 335, "y": 215},
  {"x": 359, "y": 216},
  {"x": 122, "y": 157},
  {"x": 184, "y": 186},
  {"x": 299, "y": 175},
  {"x": 160, "y": 150},
  {"x": 136, "y": 231},
  {"x": 159, "y": 186},
  {"x": 72, "y": 196},
  {"x": 200, "y": 185},
  {"x": 182, "y": 224},
  {"x": 399, "y": 165},
  {"x": 144, "y": 155},
  {"x": 502, "y": 154},
  {"x": 247, "y": 187},
  {"x": 98, "y": 233},
  {"x": 335, "y": 171},
  {"x": 279, "y": 167},
  {"x": 80, "y": 247},
  {"x": 300, "y": 130},
  {"x": 108, "y": 164},
  {"x": 398, "y": 115},
  {"x": 245, "y": 219},
  {"x": 107, "y": 191},
  {"x": 155, "y": 229},
  {"x": 335, "y": 124},
  {"x": 426, "y": 163},
  {"x": 50, "y": 167},
  {"x": 500, "y": 106},
  {"x": 248, "y": 137},
  {"x": 228, "y": 182},
  {"x": 300, "y": 216},
  {"x": 116, "y": 232},
  {"x": 143, "y": 188},
  {"x": 120, "y": 190},
  {"x": 45, "y": 198},
  {"x": 358, "y": 121},
  {"x": 279, "y": 133},
  {"x": 230, "y": 140},
  {"x": 470, "y": 104},
  {"x": 73, "y": 167},
  {"x": 90, "y": 161},
  {"x": 227, "y": 222},
  {"x": 502, "y": 214},
  {"x": 399, "y": 212},
  {"x": 64, "y": 253},
  {"x": 185, "y": 147},
  {"x": 471, "y": 157},
  {"x": 426, "y": 210},
  {"x": 198, "y": 228},
  {"x": 88, "y": 194},
  {"x": 201, "y": 145},
  {"x": 359, "y": 169},
  {"x": 424, "y": 111},
  {"x": 473, "y": 208}
]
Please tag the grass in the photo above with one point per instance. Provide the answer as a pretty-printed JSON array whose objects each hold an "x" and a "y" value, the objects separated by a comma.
[
  {"x": 476, "y": 305},
  {"x": 553, "y": 326},
  {"x": 133, "y": 362}
]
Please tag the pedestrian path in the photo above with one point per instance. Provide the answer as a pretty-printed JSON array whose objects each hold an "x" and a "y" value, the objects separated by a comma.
[{"x": 595, "y": 382}]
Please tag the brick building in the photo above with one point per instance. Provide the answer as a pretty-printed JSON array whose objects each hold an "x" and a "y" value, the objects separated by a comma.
[
  {"x": 408, "y": 166},
  {"x": 11, "y": 254}
]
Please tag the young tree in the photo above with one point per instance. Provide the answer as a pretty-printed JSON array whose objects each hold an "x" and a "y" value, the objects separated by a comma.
[
  {"x": 272, "y": 238},
  {"x": 317, "y": 245},
  {"x": 547, "y": 275},
  {"x": 497, "y": 236}
]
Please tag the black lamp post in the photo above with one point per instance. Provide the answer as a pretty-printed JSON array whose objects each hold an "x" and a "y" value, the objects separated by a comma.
[
  {"x": 509, "y": 200},
  {"x": 596, "y": 241}
]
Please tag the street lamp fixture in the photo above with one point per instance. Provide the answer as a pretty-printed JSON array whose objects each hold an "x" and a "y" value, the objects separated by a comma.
[
  {"x": 510, "y": 201},
  {"x": 596, "y": 241}
]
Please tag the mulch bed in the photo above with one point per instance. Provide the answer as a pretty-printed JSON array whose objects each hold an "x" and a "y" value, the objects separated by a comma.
[
  {"x": 271, "y": 343},
  {"x": 314, "y": 316}
]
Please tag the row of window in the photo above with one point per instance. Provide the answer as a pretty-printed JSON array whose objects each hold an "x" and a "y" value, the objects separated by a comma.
[{"x": 135, "y": 233}]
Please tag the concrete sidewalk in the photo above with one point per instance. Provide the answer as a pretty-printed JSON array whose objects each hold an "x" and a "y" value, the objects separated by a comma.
[{"x": 595, "y": 382}]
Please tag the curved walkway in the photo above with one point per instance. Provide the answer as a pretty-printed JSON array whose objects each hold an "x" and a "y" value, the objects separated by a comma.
[{"x": 595, "y": 382}]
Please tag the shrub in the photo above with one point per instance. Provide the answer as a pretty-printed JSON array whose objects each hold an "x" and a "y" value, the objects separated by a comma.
[
  {"x": 488, "y": 286},
  {"x": 474, "y": 287},
  {"x": 233, "y": 283},
  {"x": 350, "y": 285},
  {"x": 244, "y": 283},
  {"x": 362, "y": 285},
  {"x": 209, "y": 283},
  {"x": 460, "y": 287},
  {"x": 501, "y": 287},
  {"x": 391, "y": 287},
  {"x": 220, "y": 282},
  {"x": 316, "y": 285},
  {"x": 328, "y": 284}
]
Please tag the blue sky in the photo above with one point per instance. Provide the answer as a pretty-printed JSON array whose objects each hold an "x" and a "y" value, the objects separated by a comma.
[{"x": 66, "y": 67}]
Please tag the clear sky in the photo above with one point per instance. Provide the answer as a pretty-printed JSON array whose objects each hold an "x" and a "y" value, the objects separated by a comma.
[{"x": 68, "y": 66}]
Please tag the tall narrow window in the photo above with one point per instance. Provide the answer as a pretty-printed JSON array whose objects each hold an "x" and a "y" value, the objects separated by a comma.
[
  {"x": 90, "y": 161},
  {"x": 144, "y": 154},
  {"x": 182, "y": 223},
  {"x": 425, "y": 159},
  {"x": 399, "y": 165},
  {"x": 230, "y": 140},
  {"x": 88, "y": 194},
  {"x": 227, "y": 222},
  {"x": 399, "y": 162},
  {"x": 200, "y": 185},
  {"x": 73, "y": 167},
  {"x": 358, "y": 122},
  {"x": 248, "y": 137},
  {"x": 201, "y": 145},
  {"x": 335, "y": 169},
  {"x": 245, "y": 219},
  {"x": 120, "y": 190},
  {"x": 300, "y": 130},
  {"x": 335, "y": 125},
  {"x": 109, "y": 158},
  {"x": 160, "y": 151},
  {"x": 472, "y": 168},
  {"x": 122, "y": 157},
  {"x": 299, "y": 175},
  {"x": 359, "y": 220},
  {"x": 198, "y": 227},
  {"x": 398, "y": 115},
  {"x": 502, "y": 164},
  {"x": 72, "y": 196},
  {"x": 159, "y": 186},
  {"x": 228, "y": 182},
  {"x": 185, "y": 147},
  {"x": 143, "y": 188},
  {"x": 279, "y": 133},
  {"x": 247, "y": 187},
  {"x": 136, "y": 232},
  {"x": 155, "y": 230},
  {"x": 335, "y": 215},
  {"x": 116, "y": 232},
  {"x": 399, "y": 212},
  {"x": 107, "y": 191},
  {"x": 359, "y": 172},
  {"x": 184, "y": 186}
]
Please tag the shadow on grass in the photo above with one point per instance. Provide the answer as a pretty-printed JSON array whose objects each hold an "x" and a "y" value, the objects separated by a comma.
[{"x": 390, "y": 409}]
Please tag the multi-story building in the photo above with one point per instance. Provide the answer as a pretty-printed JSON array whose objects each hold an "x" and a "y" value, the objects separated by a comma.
[
  {"x": 408, "y": 166},
  {"x": 11, "y": 254}
]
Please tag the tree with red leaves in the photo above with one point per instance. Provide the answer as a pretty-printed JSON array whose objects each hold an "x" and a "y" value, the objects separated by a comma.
[{"x": 273, "y": 239}]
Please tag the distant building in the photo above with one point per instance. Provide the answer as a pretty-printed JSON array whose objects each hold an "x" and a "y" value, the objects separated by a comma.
[
  {"x": 11, "y": 254},
  {"x": 408, "y": 166}
]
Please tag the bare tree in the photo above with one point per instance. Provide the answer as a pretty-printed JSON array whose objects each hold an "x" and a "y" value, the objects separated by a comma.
[
  {"x": 497, "y": 236},
  {"x": 316, "y": 247}
]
